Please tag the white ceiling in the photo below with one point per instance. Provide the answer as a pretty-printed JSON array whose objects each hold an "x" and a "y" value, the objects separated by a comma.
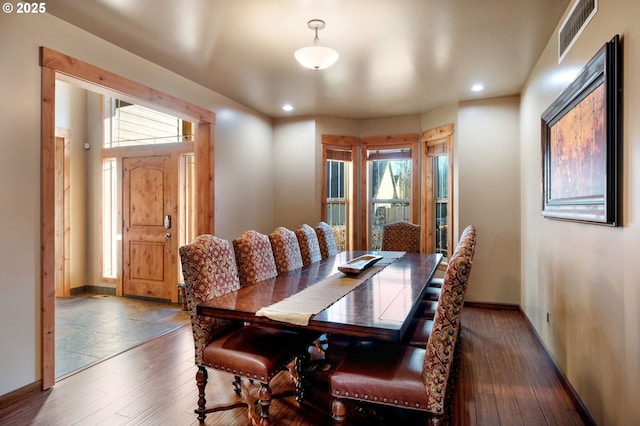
[{"x": 397, "y": 57}]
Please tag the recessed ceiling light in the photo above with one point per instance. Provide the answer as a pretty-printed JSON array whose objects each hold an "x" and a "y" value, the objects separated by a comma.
[
  {"x": 477, "y": 87},
  {"x": 287, "y": 107}
]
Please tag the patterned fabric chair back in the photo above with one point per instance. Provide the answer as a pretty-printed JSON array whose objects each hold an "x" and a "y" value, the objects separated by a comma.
[
  {"x": 467, "y": 244},
  {"x": 209, "y": 271},
  {"x": 441, "y": 346},
  {"x": 286, "y": 250},
  {"x": 309, "y": 246},
  {"x": 326, "y": 240},
  {"x": 254, "y": 258},
  {"x": 401, "y": 236}
]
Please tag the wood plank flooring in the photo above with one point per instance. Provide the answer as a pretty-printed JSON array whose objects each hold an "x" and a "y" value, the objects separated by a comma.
[{"x": 505, "y": 379}]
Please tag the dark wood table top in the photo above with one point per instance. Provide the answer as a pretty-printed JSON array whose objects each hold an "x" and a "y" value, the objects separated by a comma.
[{"x": 380, "y": 308}]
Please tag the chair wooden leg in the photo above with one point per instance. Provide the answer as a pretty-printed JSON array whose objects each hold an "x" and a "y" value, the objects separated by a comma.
[
  {"x": 264, "y": 398},
  {"x": 301, "y": 367},
  {"x": 201, "y": 380},
  {"x": 338, "y": 411},
  {"x": 438, "y": 420}
]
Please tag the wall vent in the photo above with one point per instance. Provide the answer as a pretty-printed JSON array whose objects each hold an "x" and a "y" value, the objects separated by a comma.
[{"x": 581, "y": 13}]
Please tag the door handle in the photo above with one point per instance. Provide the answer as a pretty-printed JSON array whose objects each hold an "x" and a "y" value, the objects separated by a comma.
[{"x": 167, "y": 235}]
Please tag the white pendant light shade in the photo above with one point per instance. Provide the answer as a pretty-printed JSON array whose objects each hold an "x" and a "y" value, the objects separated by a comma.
[{"x": 316, "y": 57}]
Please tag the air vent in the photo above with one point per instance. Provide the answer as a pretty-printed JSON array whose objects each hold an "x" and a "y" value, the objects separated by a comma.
[{"x": 577, "y": 19}]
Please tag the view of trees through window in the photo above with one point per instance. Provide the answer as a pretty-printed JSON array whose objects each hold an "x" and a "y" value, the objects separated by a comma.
[
  {"x": 441, "y": 184},
  {"x": 337, "y": 189},
  {"x": 390, "y": 194},
  {"x": 404, "y": 177}
]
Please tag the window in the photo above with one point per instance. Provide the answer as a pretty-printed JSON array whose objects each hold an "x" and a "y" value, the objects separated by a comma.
[
  {"x": 441, "y": 202},
  {"x": 391, "y": 184},
  {"x": 111, "y": 227},
  {"x": 396, "y": 182},
  {"x": 437, "y": 197},
  {"x": 337, "y": 200},
  {"x": 133, "y": 125}
]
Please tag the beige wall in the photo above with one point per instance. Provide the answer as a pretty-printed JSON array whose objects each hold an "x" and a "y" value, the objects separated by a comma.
[
  {"x": 488, "y": 191},
  {"x": 587, "y": 276},
  {"x": 296, "y": 189},
  {"x": 71, "y": 113}
]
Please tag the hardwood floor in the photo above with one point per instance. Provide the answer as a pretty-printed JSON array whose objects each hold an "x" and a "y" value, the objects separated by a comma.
[{"x": 505, "y": 379}]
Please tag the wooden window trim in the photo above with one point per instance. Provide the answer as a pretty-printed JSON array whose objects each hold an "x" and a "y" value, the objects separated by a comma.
[
  {"x": 410, "y": 140},
  {"x": 436, "y": 141},
  {"x": 346, "y": 143}
]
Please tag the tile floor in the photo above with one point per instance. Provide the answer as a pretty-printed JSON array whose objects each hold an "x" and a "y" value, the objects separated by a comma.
[{"x": 93, "y": 327}]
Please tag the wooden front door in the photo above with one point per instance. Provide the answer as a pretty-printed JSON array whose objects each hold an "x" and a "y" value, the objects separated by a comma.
[{"x": 149, "y": 213}]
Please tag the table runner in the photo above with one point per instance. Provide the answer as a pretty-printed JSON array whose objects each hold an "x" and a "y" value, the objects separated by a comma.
[{"x": 300, "y": 307}]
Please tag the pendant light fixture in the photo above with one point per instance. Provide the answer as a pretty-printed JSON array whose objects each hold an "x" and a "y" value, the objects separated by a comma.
[{"x": 316, "y": 57}]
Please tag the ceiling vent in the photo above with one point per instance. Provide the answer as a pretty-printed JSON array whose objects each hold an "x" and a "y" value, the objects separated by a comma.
[{"x": 576, "y": 21}]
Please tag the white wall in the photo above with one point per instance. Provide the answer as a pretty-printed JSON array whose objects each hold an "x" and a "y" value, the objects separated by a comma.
[
  {"x": 587, "y": 276},
  {"x": 243, "y": 169}
]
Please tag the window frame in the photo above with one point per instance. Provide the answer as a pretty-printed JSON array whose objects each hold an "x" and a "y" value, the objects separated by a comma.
[
  {"x": 435, "y": 142},
  {"x": 375, "y": 143},
  {"x": 349, "y": 144}
]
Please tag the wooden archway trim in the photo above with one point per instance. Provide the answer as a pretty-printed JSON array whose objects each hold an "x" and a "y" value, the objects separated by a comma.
[{"x": 56, "y": 65}]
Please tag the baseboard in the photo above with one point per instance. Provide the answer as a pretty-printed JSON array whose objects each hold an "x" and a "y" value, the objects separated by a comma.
[
  {"x": 93, "y": 289},
  {"x": 25, "y": 392},
  {"x": 485, "y": 305},
  {"x": 575, "y": 398}
]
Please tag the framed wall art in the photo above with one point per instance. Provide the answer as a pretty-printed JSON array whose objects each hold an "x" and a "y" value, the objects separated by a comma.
[{"x": 581, "y": 132}]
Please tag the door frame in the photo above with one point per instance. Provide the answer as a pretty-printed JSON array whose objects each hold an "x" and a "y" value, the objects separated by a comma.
[
  {"x": 57, "y": 66},
  {"x": 62, "y": 221}
]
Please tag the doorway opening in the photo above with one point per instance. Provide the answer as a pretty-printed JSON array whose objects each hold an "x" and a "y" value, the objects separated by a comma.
[{"x": 59, "y": 67}]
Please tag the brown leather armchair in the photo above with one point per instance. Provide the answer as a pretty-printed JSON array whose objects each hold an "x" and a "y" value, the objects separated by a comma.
[{"x": 256, "y": 353}]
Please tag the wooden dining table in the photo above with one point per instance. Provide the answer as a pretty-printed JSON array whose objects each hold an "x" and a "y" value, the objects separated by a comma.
[{"x": 379, "y": 308}]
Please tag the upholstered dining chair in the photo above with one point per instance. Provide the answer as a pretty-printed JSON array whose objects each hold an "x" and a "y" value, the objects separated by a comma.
[
  {"x": 421, "y": 326},
  {"x": 404, "y": 376},
  {"x": 254, "y": 257},
  {"x": 465, "y": 247},
  {"x": 309, "y": 246},
  {"x": 401, "y": 236},
  {"x": 257, "y": 353},
  {"x": 326, "y": 240},
  {"x": 286, "y": 250}
]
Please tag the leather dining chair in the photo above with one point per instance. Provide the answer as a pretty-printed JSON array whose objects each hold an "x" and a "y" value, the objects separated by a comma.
[
  {"x": 309, "y": 246},
  {"x": 326, "y": 240},
  {"x": 286, "y": 250},
  {"x": 254, "y": 257},
  {"x": 405, "y": 376},
  {"x": 249, "y": 351},
  {"x": 401, "y": 236}
]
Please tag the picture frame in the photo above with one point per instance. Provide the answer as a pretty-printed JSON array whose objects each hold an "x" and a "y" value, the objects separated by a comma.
[{"x": 581, "y": 133}]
